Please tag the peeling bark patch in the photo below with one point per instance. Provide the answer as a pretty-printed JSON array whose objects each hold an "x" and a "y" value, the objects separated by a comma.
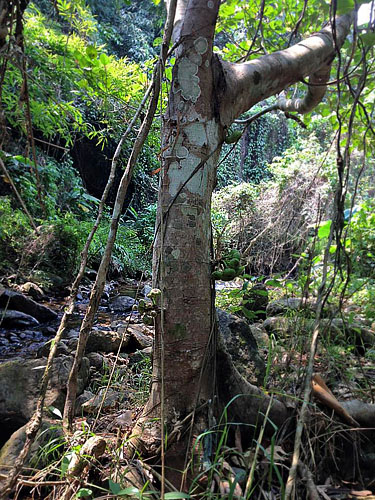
[
  {"x": 256, "y": 78},
  {"x": 201, "y": 45},
  {"x": 188, "y": 80}
]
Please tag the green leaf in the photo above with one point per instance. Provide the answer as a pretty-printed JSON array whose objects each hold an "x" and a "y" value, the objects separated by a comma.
[
  {"x": 368, "y": 39},
  {"x": 114, "y": 487},
  {"x": 91, "y": 51},
  {"x": 174, "y": 495},
  {"x": 324, "y": 229},
  {"x": 65, "y": 463},
  {"x": 344, "y": 6},
  {"x": 132, "y": 490},
  {"x": 157, "y": 41},
  {"x": 22, "y": 159},
  {"x": 104, "y": 59},
  {"x": 275, "y": 283},
  {"x": 55, "y": 411},
  {"x": 83, "y": 493}
]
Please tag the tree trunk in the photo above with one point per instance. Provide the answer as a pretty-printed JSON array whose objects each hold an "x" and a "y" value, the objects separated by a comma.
[
  {"x": 192, "y": 138},
  {"x": 206, "y": 96}
]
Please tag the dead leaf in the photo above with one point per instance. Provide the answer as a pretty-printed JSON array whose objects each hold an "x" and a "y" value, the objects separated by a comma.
[{"x": 325, "y": 396}]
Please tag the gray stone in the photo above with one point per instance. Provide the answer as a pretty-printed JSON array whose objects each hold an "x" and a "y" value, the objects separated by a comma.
[
  {"x": 16, "y": 319},
  {"x": 10, "y": 451},
  {"x": 260, "y": 335},
  {"x": 96, "y": 360},
  {"x": 112, "y": 399},
  {"x": 140, "y": 355},
  {"x": 242, "y": 346},
  {"x": 20, "y": 383},
  {"x": 82, "y": 399},
  {"x": 122, "y": 303},
  {"x": 137, "y": 339},
  {"x": 289, "y": 304},
  {"x": 100, "y": 341},
  {"x": 62, "y": 349},
  {"x": 278, "y": 325}
]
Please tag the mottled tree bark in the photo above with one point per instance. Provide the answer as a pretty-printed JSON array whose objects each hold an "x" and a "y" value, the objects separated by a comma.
[{"x": 207, "y": 94}]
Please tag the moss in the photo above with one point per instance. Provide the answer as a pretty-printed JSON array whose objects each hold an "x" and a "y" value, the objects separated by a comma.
[{"x": 179, "y": 330}]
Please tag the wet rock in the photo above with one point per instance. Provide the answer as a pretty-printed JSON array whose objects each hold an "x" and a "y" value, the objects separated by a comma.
[
  {"x": 242, "y": 346},
  {"x": 18, "y": 302},
  {"x": 122, "y": 304},
  {"x": 16, "y": 319},
  {"x": 20, "y": 382}
]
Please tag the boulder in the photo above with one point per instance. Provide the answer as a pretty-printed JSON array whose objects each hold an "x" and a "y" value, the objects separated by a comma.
[
  {"x": 289, "y": 304},
  {"x": 122, "y": 304},
  {"x": 111, "y": 400},
  {"x": 141, "y": 355},
  {"x": 97, "y": 361},
  {"x": 30, "y": 288},
  {"x": 62, "y": 349},
  {"x": 279, "y": 325},
  {"x": 49, "y": 432},
  {"x": 82, "y": 399},
  {"x": 18, "y": 302},
  {"x": 16, "y": 319},
  {"x": 137, "y": 338},
  {"x": 242, "y": 346},
  {"x": 110, "y": 341},
  {"x": 20, "y": 382},
  {"x": 105, "y": 341}
]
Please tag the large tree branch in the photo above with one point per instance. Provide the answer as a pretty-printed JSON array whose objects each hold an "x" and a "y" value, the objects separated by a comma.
[{"x": 240, "y": 86}]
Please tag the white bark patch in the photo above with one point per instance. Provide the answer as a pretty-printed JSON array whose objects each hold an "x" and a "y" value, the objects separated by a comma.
[
  {"x": 196, "y": 134},
  {"x": 182, "y": 152},
  {"x": 201, "y": 45},
  {"x": 195, "y": 58},
  {"x": 188, "y": 80}
]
